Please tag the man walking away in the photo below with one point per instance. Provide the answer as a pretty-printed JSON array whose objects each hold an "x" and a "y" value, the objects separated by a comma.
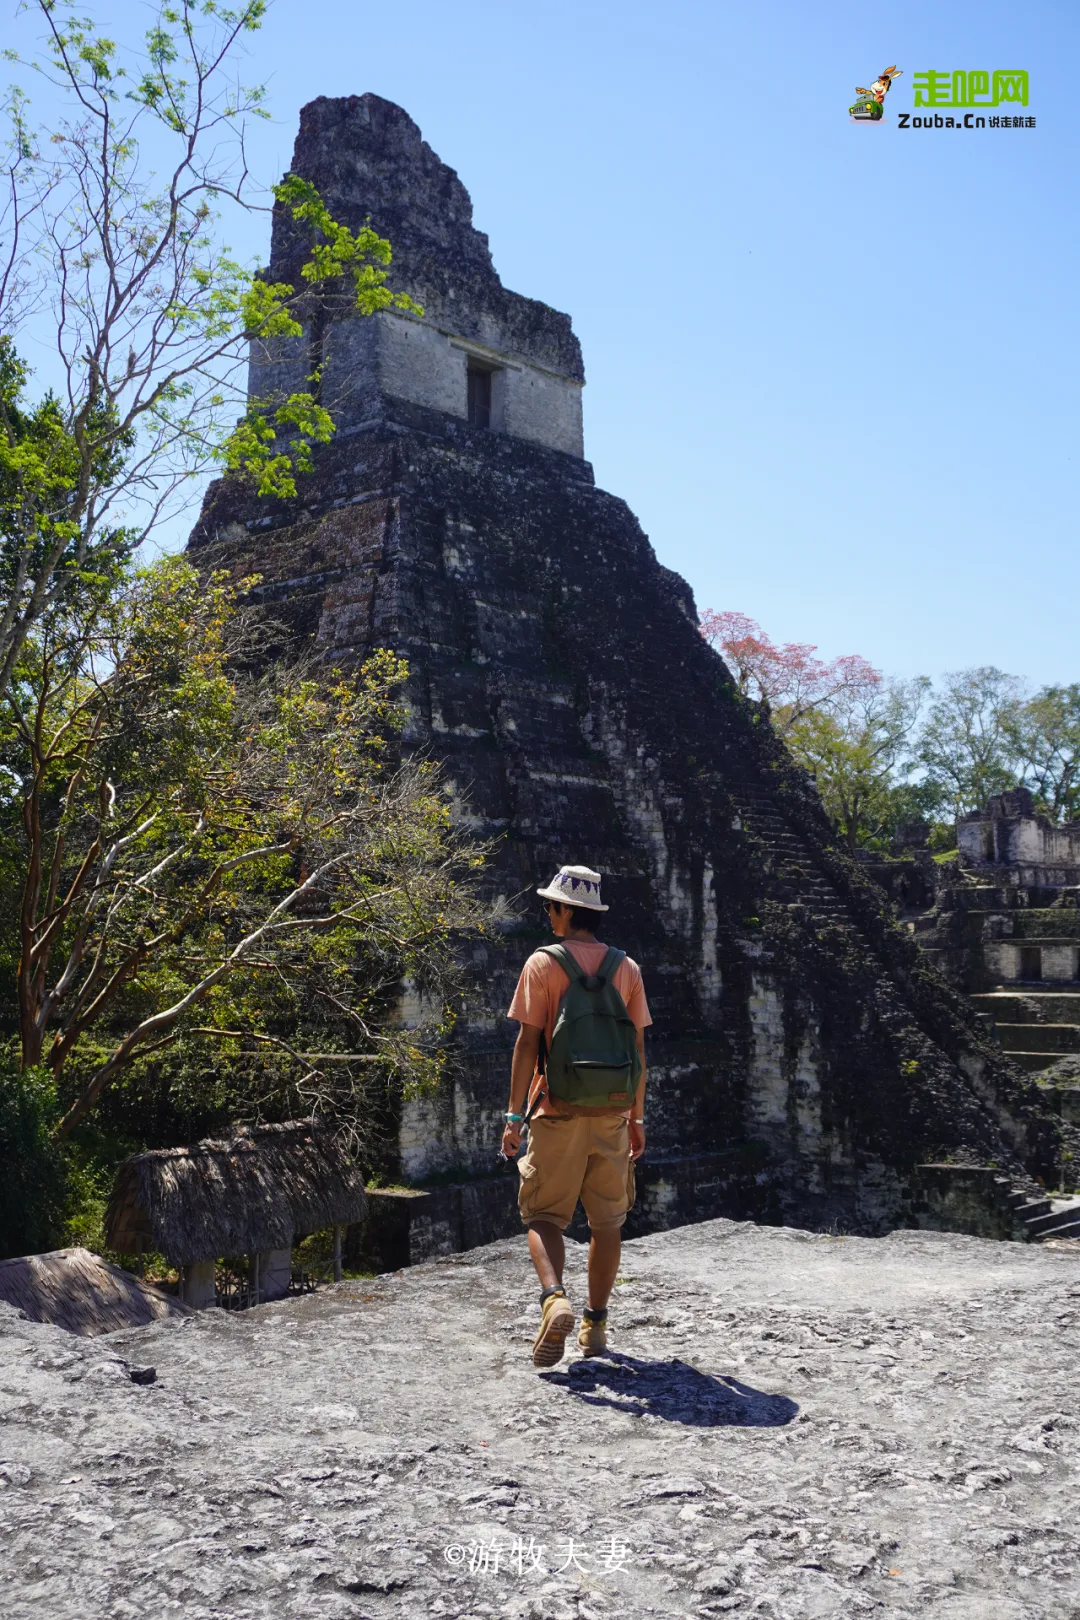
[{"x": 578, "y": 1080}]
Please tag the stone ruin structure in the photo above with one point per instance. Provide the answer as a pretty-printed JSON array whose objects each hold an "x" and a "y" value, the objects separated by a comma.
[
  {"x": 805, "y": 1058},
  {"x": 1005, "y": 928},
  {"x": 1022, "y": 847}
]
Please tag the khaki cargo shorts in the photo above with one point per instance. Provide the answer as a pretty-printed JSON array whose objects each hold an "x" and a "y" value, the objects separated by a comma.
[{"x": 586, "y": 1157}]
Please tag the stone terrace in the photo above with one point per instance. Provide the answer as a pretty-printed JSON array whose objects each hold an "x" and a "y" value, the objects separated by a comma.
[{"x": 793, "y": 1425}]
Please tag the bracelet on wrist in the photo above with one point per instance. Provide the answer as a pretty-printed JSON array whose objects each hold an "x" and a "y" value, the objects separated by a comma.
[
  {"x": 513, "y": 1119},
  {"x": 637, "y": 1122}
]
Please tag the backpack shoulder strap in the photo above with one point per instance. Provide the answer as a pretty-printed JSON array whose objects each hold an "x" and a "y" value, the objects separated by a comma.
[
  {"x": 566, "y": 960},
  {"x": 570, "y": 965}
]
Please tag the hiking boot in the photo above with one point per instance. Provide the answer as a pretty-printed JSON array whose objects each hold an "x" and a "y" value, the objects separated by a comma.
[
  {"x": 592, "y": 1334},
  {"x": 556, "y": 1321}
]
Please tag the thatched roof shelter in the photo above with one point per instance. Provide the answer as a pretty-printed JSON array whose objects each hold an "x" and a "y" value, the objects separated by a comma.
[
  {"x": 255, "y": 1191},
  {"x": 79, "y": 1291}
]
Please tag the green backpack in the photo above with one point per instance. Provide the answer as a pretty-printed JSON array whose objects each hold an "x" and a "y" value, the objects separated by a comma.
[{"x": 594, "y": 1058}]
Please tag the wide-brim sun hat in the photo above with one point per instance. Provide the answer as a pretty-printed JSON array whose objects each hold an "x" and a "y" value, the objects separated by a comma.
[{"x": 575, "y": 886}]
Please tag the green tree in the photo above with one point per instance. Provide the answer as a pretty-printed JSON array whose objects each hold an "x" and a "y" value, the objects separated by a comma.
[
  {"x": 849, "y": 726},
  {"x": 209, "y": 857},
  {"x": 855, "y": 749},
  {"x": 1044, "y": 737},
  {"x": 967, "y": 744},
  {"x": 33, "y": 1187},
  {"x": 150, "y": 317},
  {"x": 917, "y": 801}
]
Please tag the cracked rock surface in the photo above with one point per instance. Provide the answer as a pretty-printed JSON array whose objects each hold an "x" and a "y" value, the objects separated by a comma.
[{"x": 789, "y": 1424}]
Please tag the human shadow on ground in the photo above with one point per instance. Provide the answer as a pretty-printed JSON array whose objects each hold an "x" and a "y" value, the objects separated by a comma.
[{"x": 673, "y": 1391}]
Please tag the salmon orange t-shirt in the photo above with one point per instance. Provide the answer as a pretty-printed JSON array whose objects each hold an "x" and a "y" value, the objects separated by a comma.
[{"x": 542, "y": 986}]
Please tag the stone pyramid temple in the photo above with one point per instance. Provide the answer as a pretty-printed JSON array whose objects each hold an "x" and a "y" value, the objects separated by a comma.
[{"x": 804, "y": 1060}]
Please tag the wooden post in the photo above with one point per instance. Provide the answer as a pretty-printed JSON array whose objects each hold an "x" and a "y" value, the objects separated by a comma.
[{"x": 337, "y": 1253}]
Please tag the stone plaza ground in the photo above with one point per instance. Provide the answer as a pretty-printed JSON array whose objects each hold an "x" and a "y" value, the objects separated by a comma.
[{"x": 790, "y": 1424}]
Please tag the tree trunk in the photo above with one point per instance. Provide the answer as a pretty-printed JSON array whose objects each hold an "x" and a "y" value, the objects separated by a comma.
[{"x": 31, "y": 1034}]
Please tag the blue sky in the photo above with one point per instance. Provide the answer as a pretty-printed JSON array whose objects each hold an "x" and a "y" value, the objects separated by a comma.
[{"x": 831, "y": 367}]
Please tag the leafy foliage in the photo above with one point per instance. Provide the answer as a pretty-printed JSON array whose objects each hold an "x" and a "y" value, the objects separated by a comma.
[
  {"x": 152, "y": 317},
  {"x": 33, "y": 1187},
  {"x": 855, "y": 750},
  {"x": 213, "y": 860},
  {"x": 1043, "y": 733},
  {"x": 965, "y": 744},
  {"x": 842, "y": 720},
  {"x": 887, "y": 753},
  {"x": 788, "y": 679}
]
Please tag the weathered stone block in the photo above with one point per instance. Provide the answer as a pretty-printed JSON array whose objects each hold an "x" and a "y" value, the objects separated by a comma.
[
  {"x": 963, "y": 1198},
  {"x": 407, "y": 1225},
  {"x": 1070, "y": 1103},
  {"x": 275, "y": 1273},
  {"x": 197, "y": 1287}
]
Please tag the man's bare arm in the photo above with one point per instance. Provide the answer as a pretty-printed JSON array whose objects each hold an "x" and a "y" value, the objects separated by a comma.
[
  {"x": 637, "y": 1132},
  {"x": 522, "y": 1069}
]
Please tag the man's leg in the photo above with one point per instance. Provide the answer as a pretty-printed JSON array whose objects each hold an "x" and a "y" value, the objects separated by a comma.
[
  {"x": 605, "y": 1246},
  {"x": 606, "y": 1196},
  {"x": 547, "y": 1252},
  {"x": 604, "y": 1251},
  {"x": 550, "y": 1177}
]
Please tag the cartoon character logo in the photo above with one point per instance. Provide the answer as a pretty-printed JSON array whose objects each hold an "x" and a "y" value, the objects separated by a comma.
[{"x": 870, "y": 109}]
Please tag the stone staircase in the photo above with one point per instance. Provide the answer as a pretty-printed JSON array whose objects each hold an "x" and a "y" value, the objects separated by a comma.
[
  {"x": 1040, "y": 1019},
  {"x": 797, "y": 878},
  {"x": 971, "y": 900},
  {"x": 976, "y": 1198},
  {"x": 1035, "y": 1025},
  {"x": 1036, "y": 1219},
  {"x": 925, "y": 930}
]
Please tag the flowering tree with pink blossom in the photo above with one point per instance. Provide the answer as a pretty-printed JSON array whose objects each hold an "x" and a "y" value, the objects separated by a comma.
[
  {"x": 789, "y": 678},
  {"x": 842, "y": 720}
]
